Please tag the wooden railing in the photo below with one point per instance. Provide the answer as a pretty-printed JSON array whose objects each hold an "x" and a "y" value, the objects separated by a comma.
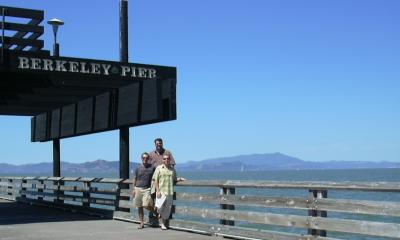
[{"x": 240, "y": 209}]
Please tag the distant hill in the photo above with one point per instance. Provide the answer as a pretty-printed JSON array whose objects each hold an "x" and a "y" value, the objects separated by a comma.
[
  {"x": 94, "y": 168},
  {"x": 252, "y": 162},
  {"x": 275, "y": 161}
]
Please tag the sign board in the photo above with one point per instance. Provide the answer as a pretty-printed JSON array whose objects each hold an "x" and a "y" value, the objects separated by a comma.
[{"x": 113, "y": 94}]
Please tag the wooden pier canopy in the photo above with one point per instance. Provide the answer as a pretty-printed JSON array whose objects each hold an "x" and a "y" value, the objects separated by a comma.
[{"x": 73, "y": 96}]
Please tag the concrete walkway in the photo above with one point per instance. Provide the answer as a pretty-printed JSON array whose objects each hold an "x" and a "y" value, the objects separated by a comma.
[{"x": 21, "y": 221}]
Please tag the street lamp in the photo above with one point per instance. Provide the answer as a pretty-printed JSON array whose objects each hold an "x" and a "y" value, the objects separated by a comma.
[{"x": 55, "y": 23}]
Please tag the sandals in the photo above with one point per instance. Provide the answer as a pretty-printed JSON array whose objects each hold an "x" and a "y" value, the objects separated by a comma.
[{"x": 141, "y": 226}]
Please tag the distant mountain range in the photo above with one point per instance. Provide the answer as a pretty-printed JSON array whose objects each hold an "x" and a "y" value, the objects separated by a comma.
[
  {"x": 253, "y": 162},
  {"x": 275, "y": 161}
]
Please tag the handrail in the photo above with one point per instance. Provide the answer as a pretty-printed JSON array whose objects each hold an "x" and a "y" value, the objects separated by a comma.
[
  {"x": 234, "y": 209},
  {"x": 344, "y": 186}
]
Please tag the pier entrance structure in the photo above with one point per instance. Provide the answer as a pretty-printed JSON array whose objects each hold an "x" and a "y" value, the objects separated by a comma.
[{"x": 68, "y": 96}]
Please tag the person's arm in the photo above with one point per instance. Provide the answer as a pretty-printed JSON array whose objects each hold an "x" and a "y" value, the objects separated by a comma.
[{"x": 156, "y": 179}]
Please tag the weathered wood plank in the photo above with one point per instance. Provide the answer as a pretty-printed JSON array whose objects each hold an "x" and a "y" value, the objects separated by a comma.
[
  {"x": 95, "y": 190},
  {"x": 39, "y": 186},
  {"x": 358, "y": 206},
  {"x": 336, "y": 205},
  {"x": 221, "y": 230},
  {"x": 341, "y": 225},
  {"x": 65, "y": 179},
  {"x": 128, "y": 181},
  {"x": 125, "y": 204},
  {"x": 345, "y": 186},
  {"x": 126, "y": 193},
  {"x": 55, "y": 178},
  {"x": 30, "y": 178},
  {"x": 110, "y": 180},
  {"x": 239, "y": 232},
  {"x": 86, "y": 179}
]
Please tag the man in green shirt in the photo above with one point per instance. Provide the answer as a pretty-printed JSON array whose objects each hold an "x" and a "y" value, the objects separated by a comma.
[{"x": 164, "y": 180}]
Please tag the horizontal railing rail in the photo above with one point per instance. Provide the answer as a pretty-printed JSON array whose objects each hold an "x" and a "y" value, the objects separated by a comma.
[{"x": 240, "y": 209}]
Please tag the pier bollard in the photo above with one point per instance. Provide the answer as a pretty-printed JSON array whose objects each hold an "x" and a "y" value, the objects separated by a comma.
[
  {"x": 315, "y": 195},
  {"x": 227, "y": 191}
]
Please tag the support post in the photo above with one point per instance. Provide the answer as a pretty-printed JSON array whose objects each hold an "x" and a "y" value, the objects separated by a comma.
[
  {"x": 124, "y": 153},
  {"x": 315, "y": 195},
  {"x": 3, "y": 13},
  {"x": 56, "y": 158},
  {"x": 227, "y": 191},
  {"x": 124, "y": 131}
]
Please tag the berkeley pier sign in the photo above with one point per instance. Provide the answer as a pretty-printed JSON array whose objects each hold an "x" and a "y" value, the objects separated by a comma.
[{"x": 74, "y": 96}]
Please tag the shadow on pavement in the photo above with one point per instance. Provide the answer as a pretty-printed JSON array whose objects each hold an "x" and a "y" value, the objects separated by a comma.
[{"x": 19, "y": 213}]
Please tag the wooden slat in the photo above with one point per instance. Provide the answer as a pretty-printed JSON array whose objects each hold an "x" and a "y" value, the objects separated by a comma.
[
  {"x": 30, "y": 178},
  {"x": 22, "y": 41},
  {"x": 125, "y": 204},
  {"x": 335, "y": 205},
  {"x": 39, "y": 186},
  {"x": 110, "y": 180},
  {"x": 226, "y": 231},
  {"x": 345, "y": 186},
  {"x": 126, "y": 193},
  {"x": 67, "y": 197},
  {"x": 23, "y": 12},
  {"x": 22, "y": 27},
  {"x": 128, "y": 181},
  {"x": 35, "y": 193},
  {"x": 86, "y": 179},
  {"x": 90, "y": 190},
  {"x": 340, "y": 225},
  {"x": 55, "y": 178},
  {"x": 239, "y": 232}
]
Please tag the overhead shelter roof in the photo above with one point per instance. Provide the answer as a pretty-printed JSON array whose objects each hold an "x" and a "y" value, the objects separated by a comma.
[{"x": 75, "y": 96}]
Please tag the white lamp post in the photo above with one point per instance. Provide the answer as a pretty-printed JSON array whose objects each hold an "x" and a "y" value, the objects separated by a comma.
[{"x": 55, "y": 23}]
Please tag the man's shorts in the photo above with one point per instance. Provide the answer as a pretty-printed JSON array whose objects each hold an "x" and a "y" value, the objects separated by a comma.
[{"x": 142, "y": 197}]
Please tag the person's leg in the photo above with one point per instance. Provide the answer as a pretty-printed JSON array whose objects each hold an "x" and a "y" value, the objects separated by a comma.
[
  {"x": 141, "y": 216},
  {"x": 165, "y": 211}
]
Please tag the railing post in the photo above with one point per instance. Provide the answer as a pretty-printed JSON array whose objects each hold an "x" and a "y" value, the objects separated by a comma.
[
  {"x": 227, "y": 191},
  {"x": 58, "y": 192},
  {"x": 86, "y": 194},
  {"x": 23, "y": 188},
  {"x": 9, "y": 187},
  {"x": 121, "y": 185},
  {"x": 315, "y": 195},
  {"x": 40, "y": 190}
]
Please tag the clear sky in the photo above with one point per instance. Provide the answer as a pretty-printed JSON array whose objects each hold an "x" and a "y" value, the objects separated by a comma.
[{"x": 318, "y": 80}]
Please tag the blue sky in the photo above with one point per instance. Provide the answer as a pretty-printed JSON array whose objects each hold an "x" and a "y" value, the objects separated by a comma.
[{"x": 318, "y": 80}]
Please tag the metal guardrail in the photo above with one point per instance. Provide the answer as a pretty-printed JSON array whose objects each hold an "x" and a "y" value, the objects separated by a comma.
[{"x": 230, "y": 207}]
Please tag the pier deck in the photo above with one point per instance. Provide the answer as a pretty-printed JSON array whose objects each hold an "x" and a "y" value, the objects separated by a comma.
[{"x": 22, "y": 221}]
